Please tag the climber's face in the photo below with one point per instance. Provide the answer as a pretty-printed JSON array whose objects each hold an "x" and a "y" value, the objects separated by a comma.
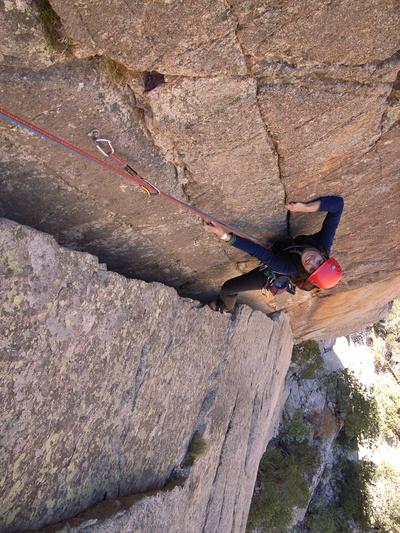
[{"x": 311, "y": 259}]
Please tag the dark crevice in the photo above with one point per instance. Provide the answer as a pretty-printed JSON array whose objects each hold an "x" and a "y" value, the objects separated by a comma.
[
  {"x": 396, "y": 84},
  {"x": 152, "y": 80},
  {"x": 119, "y": 74},
  {"x": 108, "y": 508}
]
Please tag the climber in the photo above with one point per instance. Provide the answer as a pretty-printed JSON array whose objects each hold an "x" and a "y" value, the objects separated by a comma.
[{"x": 304, "y": 260}]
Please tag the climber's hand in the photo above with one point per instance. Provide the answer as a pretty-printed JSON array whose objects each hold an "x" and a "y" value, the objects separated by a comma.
[
  {"x": 212, "y": 227},
  {"x": 296, "y": 207},
  {"x": 303, "y": 207}
]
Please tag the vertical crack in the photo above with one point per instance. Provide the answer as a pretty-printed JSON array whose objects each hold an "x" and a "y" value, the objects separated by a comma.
[
  {"x": 270, "y": 137},
  {"x": 237, "y": 23},
  {"x": 278, "y": 158},
  {"x": 217, "y": 472}
]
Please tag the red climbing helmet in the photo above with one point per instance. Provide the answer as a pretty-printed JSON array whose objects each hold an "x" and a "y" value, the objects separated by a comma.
[{"x": 327, "y": 275}]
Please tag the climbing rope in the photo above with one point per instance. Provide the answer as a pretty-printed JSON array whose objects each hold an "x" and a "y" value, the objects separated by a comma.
[{"x": 128, "y": 172}]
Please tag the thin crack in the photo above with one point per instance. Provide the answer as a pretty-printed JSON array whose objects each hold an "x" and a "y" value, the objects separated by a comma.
[
  {"x": 91, "y": 36},
  {"x": 278, "y": 159},
  {"x": 237, "y": 23},
  {"x": 73, "y": 452},
  {"x": 270, "y": 138},
  {"x": 217, "y": 472}
]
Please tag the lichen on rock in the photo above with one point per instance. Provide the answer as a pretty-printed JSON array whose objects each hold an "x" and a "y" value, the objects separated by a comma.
[{"x": 106, "y": 380}]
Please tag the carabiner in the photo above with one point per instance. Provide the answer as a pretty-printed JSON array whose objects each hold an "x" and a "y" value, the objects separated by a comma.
[
  {"x": 156, "y": 189},
  {"x": 94, "y": 138}
]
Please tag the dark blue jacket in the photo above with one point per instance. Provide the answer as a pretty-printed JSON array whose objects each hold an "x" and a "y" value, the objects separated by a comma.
[{"x": 287, "y": 262}]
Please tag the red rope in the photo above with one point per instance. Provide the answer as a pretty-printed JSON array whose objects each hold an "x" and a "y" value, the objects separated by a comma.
[
  {"x": 147, "y": 186},
  {"x": 65, "y": 144}
]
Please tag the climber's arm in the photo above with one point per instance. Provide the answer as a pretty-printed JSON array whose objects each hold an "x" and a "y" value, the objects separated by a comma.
[
  {"x": 282, "y": 263},
  {"x": 333, "y": 205}
]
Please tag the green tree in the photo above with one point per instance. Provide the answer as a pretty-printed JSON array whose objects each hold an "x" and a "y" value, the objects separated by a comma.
[
  {"x": 355, "y": 479},
  {"x": 385, "y": 493},
  {"x": 322, "y": 517},
  {"x": 308, "y": 356},
  {"x": 284, "y": 487},
  {"x": 386, "y": 341},
  {"x": 356, "y": 405},
  {"x": 389, "y": 404}
]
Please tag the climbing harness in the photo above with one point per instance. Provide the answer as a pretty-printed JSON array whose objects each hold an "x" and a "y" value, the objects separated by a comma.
[
  {"x": 276, "y": 283},
  {"x": 106, "y": 148}
]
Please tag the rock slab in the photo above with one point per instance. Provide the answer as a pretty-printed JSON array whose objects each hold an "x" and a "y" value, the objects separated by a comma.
[{"x": 104, "y": 381}]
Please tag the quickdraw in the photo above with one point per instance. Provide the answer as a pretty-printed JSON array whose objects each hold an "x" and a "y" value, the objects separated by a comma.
[
  {"x": 148, "y": 187},
  {"x": 128, "y": 172}
]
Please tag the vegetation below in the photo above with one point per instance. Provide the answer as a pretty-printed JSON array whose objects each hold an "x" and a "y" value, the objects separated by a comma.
[
  {"x": 282, "y": 484},
  {"x": 360, "y": 494},
  {"x": 385, "y": 339},
  {"x": 352, "y": 500},
  {"x": 197, "y": 447},
  {"x": 307, "y": 356},
  {"x": 356, "y": 405}
]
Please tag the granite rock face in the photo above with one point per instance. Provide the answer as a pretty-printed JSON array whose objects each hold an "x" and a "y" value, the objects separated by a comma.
[
  {"x": 234, "y": 107},
  {"x": 104, "y": 381}
]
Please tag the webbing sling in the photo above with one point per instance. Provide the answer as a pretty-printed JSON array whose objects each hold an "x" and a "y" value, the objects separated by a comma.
[{"x": 128, "y": 173}]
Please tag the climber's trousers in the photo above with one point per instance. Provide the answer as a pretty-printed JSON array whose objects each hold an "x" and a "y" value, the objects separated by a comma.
[{"x": 253, "y": 280}]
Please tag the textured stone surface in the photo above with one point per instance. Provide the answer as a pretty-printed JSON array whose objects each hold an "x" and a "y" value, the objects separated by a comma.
[
  {"x": 23, "y": 42},
  {"x": 189, "y": 118},
  {"x": 178, "y": 38},
  {"x": 254, "y": 103},
  {"x": 317, "y": 31},
  {"x": 104, "y": 381}
]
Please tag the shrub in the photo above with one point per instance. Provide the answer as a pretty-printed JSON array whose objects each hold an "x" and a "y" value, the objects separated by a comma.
[
  {"x": 284, "y": 487},
  {"x": 386, "y": 499},
  {"x": 386, "y": 340},
  {"x": 390, "y": 326},
  {"x": 389, "y": 404},
  {"x": 52, "y": 26},
  {"x": 356, "y": 406},
  {"x": 354, "y": 495},
  {"x": 283, "y": 469},
  {"x": 298, "y": 430},
  {"x": 322, "y": 516},
  {"x": 308, "y": 356},
  {"x": 197, "y": 447}
]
